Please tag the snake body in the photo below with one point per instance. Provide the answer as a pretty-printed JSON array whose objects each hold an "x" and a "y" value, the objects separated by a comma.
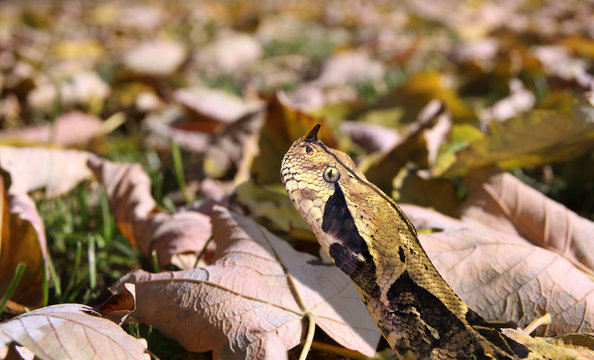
[{"x": 371, "y": 240}]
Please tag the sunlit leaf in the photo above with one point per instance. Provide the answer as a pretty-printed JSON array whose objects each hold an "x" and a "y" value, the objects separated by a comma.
[
  {"x": 253, "y": 301},
  {"x": 503, "y": 202},
  {"x": 73, "y": 128},
  {"x": 505, "y": 277},
  {"x": 556, "y": 348},
  {"x": 70, "y": 331},
  {"x": 536, "y": 138}
]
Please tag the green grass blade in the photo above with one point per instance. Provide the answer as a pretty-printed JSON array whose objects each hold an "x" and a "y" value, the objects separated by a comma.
[
  {"x": 54, "y": 275},
  {"x": 16, "y": 278},
  {"x": 179, "y": 172},
  {"x": 155, "y": 261},
  {"x": 74, "y": 277},
  {"x": 202, "y": 251},
  {"x": 92, "y": 263},
  {"x": 106, "y": 218},
  {"x": 45, "y": 283}
]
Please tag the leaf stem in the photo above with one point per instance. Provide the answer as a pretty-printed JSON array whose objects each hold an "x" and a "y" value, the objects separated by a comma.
[
  {"x": 311, "y": 329},
  {"x": 543, "y": 320}
]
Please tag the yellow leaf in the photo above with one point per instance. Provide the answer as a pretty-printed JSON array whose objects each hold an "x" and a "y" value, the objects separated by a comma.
[
  {"x": 22, "y": 240},
  {"x": 534, "y": 139}
]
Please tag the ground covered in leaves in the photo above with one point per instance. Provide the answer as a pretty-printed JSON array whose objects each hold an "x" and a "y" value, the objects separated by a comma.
[{"x": 141, "y": 142}]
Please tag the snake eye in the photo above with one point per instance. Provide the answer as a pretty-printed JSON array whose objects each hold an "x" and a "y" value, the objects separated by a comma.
[
  {"x": 308, "y": 149},
  {"x": 331, "y": 175}
]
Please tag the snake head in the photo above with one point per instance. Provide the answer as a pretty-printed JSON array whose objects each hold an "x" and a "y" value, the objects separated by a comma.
[{"x": 312, "y": 173}]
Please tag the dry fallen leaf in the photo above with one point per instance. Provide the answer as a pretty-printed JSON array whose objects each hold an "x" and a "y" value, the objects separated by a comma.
[
  {"x": 118, "y": 307},
  {"x": 70, "y": 331},
  {"x": 504, "y": 277},
  {"x": 23, "y": 233},
  {"x": 501, "y": 201},
  {"x": 419, "y": 90},
  {"x": 158, "y": 57},
  {"x": 254, "y": 299},
  {"x": 436, "y": 136},
  {"x": 73, "y": 128},
  {"x": 139, "y": 17},
  {"x": 540, "y": 137},
  {"x": 555, "y": 348},
  {"x": 218, "y": 106},
  {"x": 139, "y": 219},
  {"x": 228, "y": 53},
  {"x": 58, "y": 171}
]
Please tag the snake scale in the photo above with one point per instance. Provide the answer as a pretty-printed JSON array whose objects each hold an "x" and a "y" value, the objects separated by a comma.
[{"x": 371, "y": 240}]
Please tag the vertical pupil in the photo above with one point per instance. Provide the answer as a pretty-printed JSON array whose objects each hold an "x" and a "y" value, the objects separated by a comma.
[
  {"x": 308, "y": 149},
  {"x": 331, "y": 174}
]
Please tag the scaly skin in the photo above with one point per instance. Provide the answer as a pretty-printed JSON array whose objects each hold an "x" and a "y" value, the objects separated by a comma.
[{"x": 370, "y": 239}]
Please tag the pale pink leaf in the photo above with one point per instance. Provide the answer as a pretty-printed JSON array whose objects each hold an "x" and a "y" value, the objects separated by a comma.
[
  {"x": 253, "y": 298},
  {"x": 501, "y": 201},
  {"x": 70, "y": 331},
  {"x": 58, "y": 171},
  {"x": 73, "y": 128},
  {"x": 156, "y": 57},
  {"x": 215, "y": 105},
  {"x": 504, "y": 277}
]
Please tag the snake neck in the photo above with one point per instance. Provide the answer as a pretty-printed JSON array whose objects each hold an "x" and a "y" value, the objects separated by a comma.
[{"x": 418, "y": 313}]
